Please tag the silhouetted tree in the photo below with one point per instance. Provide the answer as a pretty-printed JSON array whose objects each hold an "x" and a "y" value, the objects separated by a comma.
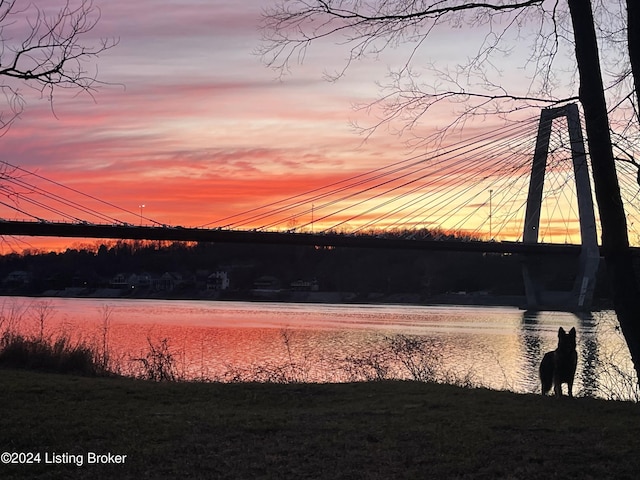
[{"x": 369, "y": 27}]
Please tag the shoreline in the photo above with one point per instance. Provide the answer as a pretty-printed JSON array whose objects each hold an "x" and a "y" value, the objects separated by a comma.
[
  {"x": 338, "y": 298},
  {"x": 347, "y": 298}
]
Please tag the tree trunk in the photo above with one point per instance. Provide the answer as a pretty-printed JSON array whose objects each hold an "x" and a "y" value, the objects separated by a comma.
[{"x": 615, "y": 242}]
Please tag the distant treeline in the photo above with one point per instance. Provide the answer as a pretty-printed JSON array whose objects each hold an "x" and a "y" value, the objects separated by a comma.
[{"x": 358, "y": 270}]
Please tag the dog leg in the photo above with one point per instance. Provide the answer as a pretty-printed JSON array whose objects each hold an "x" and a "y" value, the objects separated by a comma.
[
  {"x": 570, "y": 387},
  {"x": 546, "y": 372},
  {"x": 557, "y": 388}
]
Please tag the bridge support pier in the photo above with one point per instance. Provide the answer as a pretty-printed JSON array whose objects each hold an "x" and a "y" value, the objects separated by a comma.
[{"x": 580, "y": 296}]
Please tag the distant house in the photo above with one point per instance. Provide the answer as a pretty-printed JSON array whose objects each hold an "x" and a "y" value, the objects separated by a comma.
[
  {"x": 141, "y": 280},
  {"x": 168, "y": 281},
  {"x": 120, "y": 281},
  {"x": 218, "y": 281},
  {"x": 305, "y": 285},
  {"x": 128, "y": 281}
]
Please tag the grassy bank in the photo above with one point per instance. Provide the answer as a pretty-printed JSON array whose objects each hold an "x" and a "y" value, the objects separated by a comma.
[{"x": 380, "y": 430}]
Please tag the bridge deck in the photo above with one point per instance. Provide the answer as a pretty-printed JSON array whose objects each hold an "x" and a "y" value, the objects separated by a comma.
[{"x": 132, "y": 232}]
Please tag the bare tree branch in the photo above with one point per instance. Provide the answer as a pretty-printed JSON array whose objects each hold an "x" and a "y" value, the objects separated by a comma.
[
  {"x": 473, "y": 87},
  {"x": 46, "y": 51}
]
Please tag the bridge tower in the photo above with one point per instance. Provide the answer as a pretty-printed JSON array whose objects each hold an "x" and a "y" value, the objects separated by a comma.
[{"x": 580, "y": 296}]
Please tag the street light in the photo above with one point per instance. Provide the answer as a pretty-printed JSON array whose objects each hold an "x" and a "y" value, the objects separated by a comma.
[{"x": 490, "y": 216}]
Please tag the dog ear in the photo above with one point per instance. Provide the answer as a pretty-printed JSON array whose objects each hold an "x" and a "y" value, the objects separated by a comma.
[
  {"x": 572, "y": 332},
  {"x": 561, "y": 332}
]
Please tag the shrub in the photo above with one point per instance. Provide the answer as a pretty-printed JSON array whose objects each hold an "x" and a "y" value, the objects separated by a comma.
[
  {"x": 60, "y": 355},
  {"x": 158, "y": 364},
  {"x": 421, "y": 357},
  {"x": 369, "y": 365}
]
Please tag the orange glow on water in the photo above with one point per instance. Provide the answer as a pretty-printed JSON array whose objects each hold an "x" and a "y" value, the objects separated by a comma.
[{"x": 236, "y": 341}]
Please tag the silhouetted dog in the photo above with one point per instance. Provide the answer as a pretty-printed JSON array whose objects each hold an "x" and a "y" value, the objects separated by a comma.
[{"x": 559, "y": 366}]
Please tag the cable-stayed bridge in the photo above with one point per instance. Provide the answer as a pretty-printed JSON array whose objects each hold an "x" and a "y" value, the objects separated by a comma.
[{"x": 524, "y": 188}]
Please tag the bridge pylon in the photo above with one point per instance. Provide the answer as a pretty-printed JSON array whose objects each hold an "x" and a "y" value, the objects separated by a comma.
[{"x": 580, "y": 296}]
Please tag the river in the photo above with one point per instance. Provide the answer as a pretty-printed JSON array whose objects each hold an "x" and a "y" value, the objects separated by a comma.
[{"x": 494, "y": 347}]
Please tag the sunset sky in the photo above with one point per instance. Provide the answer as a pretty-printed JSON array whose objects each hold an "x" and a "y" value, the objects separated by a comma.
[{"x": 191, "y": 124}]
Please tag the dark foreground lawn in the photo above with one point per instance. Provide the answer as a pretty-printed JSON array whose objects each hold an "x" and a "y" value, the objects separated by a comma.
[{"x": 382, "y": 430}]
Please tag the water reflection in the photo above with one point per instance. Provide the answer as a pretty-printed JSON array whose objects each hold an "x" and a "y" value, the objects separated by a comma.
[
  {"x": 494, "y": 347},
  {"x": 589, "y": 357},
  {"x": 532, "y": 347}
]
